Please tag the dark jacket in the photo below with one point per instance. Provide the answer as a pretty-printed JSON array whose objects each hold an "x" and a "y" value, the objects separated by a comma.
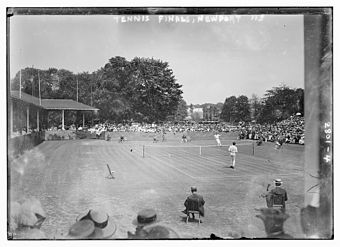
[
  {"x": 195, "y": 202},
  {"x": 277, "y": 195}
]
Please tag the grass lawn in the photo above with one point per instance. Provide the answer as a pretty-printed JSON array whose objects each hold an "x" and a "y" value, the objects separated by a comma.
[{"x": 69, "y": 177}]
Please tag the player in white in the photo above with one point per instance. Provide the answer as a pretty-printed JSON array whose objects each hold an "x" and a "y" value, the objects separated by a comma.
[
  {"x": 217, "y": 138},
  {"x": 233, "y": 150}
]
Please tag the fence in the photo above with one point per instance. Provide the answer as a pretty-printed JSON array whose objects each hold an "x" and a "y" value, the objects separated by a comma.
[
  {"x": 72, "y": 135},
  {"x": 19, "y": 144}
]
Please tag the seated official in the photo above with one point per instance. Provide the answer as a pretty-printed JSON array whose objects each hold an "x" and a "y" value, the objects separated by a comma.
[
  {"x": 194, "y": 202},
  {"x": 277, "y": 197}
]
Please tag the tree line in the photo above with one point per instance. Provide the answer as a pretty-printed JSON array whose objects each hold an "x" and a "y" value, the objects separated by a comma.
[
  {"x": 143, "y": 89},
  {"x": 278, "y": 104},
  {"x": 146, "y": 90}
]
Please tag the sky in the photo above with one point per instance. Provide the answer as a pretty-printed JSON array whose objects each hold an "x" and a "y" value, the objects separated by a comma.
[{"x": 236, "y": 55}]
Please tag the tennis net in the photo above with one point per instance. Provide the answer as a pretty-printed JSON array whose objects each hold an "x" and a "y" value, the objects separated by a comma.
[{"x": 206, "y": 151}]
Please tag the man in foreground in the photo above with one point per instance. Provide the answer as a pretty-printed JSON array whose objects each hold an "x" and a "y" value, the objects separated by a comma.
[
  {"x": 194, "y": 202},
  {"x": 277, "y": 197}
]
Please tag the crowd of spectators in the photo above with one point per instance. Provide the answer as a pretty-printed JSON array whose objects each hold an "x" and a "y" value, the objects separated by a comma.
[
  {"x": 159, "y": 127},
  {"x": 290, "y": 130}
]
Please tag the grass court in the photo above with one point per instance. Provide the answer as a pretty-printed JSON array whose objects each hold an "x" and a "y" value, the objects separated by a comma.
[{"x": 70, "y": 177}]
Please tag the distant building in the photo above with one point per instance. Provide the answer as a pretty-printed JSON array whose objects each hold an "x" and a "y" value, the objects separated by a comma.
[
  {"x": 211, "y": 113},
  {"x": 195, "y": 113}
]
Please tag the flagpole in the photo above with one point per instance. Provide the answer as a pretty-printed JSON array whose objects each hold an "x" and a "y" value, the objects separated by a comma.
[
  {"x": 77, "y": 88},
  {"x": 91, "y": 95},
  {"x": 20, "y": 85},
  {"x": 32, "y": 83},
  {"x": 39, "y": 88}
]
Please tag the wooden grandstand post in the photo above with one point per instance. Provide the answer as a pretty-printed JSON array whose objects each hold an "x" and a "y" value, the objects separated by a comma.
[
  {"x": 37, "y": 119},
  {"x": 62, "y": 119},
  {"x": 27, "y": 118},
  {"x": 83, "y": 119}
]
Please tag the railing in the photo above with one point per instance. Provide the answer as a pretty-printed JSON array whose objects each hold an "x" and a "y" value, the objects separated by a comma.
[{"x": 71, "y": 135}]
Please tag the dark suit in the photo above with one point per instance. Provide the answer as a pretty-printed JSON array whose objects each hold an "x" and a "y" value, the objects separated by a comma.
[
  {"x": 277, "y": 192},
  {"x": 195, "y": 202}
]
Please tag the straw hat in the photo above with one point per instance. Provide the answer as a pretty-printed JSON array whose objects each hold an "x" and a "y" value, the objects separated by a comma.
[
  {"x": 278, "y": 181},
  {"x": 81, "y": 230},
  {"x": 104, "y": 226},
  {"x": 145, "y": 217}
]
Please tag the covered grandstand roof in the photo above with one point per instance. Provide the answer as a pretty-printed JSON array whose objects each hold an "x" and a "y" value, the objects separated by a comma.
[
  {"x": 65, "y": 104},
  {"x": 52, "y": 104},
  {"x": 26, "y": 98}
]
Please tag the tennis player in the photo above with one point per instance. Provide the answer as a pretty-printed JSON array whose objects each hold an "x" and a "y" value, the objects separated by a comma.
[
  {"x": 233, "y": 150},
  {"x": 217, "y": 138}
]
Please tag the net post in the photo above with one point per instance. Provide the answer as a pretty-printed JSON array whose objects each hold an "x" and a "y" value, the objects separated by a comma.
[
  {"x": 253, "y": 148},
  {"x": 200, "y": 150},
  {"x": 143, "y": 152}
]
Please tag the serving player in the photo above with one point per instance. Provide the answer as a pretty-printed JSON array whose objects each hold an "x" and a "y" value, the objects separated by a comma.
[{"x": 217, "y": 138}]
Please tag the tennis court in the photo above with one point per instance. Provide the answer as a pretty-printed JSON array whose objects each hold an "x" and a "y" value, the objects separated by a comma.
[{"x": 69, "y": 177}]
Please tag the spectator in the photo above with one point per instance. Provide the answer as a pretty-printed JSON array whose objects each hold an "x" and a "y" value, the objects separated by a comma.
[
  {"x": 145, "y": 217},
  {"x": 273, "y": 220},
  {"x": 277, "y": 197},
  {"x": 290, "y": 130},
  {"x": 27, "y": 214},
  {"x": 148, "y": 227},
  {"x": 26, "y": 219},
  {"x": 194, "y": 198},
  {"x": 104, "y": 226}
]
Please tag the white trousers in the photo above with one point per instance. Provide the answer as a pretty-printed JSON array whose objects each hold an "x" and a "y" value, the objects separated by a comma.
[{"x": 233, "y": 158}]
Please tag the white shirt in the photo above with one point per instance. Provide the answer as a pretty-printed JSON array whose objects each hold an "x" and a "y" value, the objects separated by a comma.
[
  {"x": 217, "y": 136},
  {"x": 233, "y": 150}
]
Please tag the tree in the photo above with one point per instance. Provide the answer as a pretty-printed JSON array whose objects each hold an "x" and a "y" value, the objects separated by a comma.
[
  {"x": 299, "y": 99},
  {"x": 255, "y": 107},
  {"x": 153, "y": 91},
  {"x": 242, "y": 109},
  {"x": 67, "y": 85},
  {"x": 29, "y": 83},
  {"x": 228, "y": 113},
  {"x": 280, "y": 103},
  {"x": 111, "y": 105},
  {"x": 143, "y": 89},
  {"x": 181, "y": 112}
]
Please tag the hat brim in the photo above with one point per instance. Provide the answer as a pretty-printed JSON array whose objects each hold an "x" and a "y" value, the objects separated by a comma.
[
  {"x": 136, "y": 223},
  {"x": 105, "y": 233},
  {"x": 100, "y": 233}
]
